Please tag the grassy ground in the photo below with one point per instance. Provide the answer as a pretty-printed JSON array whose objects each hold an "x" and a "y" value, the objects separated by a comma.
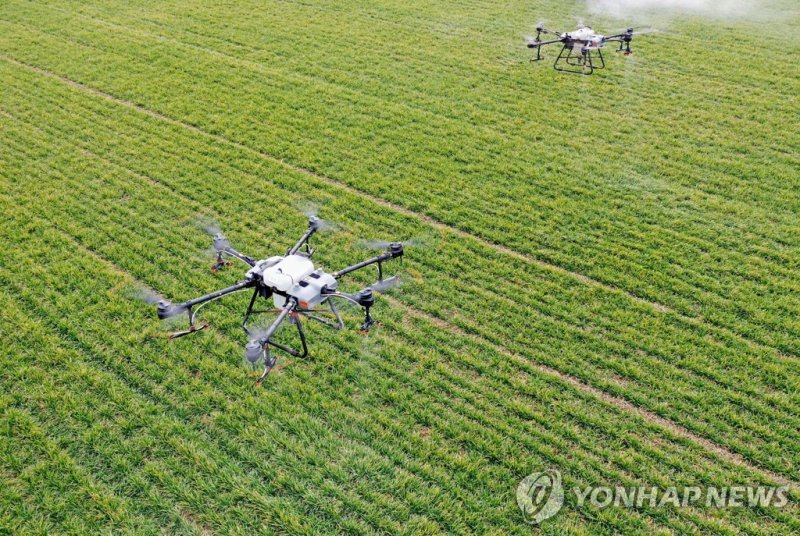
[{"x": 608, "y": 283}]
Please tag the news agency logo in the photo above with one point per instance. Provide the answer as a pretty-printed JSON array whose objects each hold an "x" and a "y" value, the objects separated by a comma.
[{"x": 540, "y": 496}]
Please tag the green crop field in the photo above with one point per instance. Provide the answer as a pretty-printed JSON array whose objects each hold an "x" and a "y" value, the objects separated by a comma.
[{"x": 604, "y": 279}]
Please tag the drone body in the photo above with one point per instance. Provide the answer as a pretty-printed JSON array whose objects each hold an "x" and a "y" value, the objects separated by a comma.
[
  {"x": 580, "y": 49},
  {"x": 297, "y": 289},
  {"x": 296, "y": 276}
]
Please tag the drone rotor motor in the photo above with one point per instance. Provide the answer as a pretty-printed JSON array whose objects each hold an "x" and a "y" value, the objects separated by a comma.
[
  {"x": 165, "y": 310},
  {"x": 253, "y": 351}
]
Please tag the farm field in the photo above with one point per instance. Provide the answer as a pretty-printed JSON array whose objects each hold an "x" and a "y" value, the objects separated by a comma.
[{"x": 604, "y": 278}]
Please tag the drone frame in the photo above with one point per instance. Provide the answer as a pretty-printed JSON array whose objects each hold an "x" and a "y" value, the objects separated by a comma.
[
  {"x": 579, "y": 61},
  {"x": 292, "y": 308},
  {"x": 584, "y": 57}
]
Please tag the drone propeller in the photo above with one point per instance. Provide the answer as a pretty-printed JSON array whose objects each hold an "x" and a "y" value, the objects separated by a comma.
[
  {"x": 146, "y": 295},
  {"x": 646, "y": 31},
  {"x": 311, "y": 211},
  {"x": 165, "y": 308},
  {"x": 637, "y": 30},
  {"x": 219, "y": 241},
  {"x": 220, "y": 244},
  {"x": 365, "y": 298},
  {"x": 257, "y": 350},
  {"x": 167, "y": 312},
  {"x": 385, "y": 244}
]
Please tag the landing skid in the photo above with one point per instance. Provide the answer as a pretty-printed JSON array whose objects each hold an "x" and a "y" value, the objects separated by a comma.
[{"x": 581, "y": 63}]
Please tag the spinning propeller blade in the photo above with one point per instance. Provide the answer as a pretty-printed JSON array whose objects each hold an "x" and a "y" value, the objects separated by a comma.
[
  {"x": 164, "y": 307},
  {"x": 637, "y": 30},
  {"x": 311, "y": 211},
  {"x": 146, "y": 295},
  {"x": 220, "y": 242}
]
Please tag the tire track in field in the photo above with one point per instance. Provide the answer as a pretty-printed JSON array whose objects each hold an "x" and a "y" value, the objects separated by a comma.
[
  {"x": 706, "y": 377},
  {"x": 367, "y": 446},
  {"x": 337, "y": 184},
  {"x": 114, "y": 267},
  {"x": 323, "y": 80},
  {"x": 621, "y": 403},
  {"x": 716, "y": 380},
  {"x": 214, "y": 52}
]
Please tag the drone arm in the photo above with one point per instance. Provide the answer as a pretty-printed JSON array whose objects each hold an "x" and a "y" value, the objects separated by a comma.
[
  {"x": 244, "y": 258},
  {"x": 542, "y": 29},
  {"x": 303, "y": 240},
  {"x": 218, "y": 294},
  {"x": 288, "y": 308},
  {"x": 535, "y": 44},
  {"x": 378, "y": 259}
]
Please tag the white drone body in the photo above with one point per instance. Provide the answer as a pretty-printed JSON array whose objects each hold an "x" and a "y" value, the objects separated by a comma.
[
  {"x": 296, "y": 276},
  {"x": 585, "y": 37}
]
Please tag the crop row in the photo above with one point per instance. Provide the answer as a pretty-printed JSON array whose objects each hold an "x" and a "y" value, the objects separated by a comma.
[
  {"x": 734, "y": 299},
  {"x": 177, "y": 260},
  {"x": 596, "y": 331},
  {"x": 76, "y": 293}
]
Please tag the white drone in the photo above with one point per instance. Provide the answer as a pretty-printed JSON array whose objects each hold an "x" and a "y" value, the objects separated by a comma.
[
  {"x": 297, "y": 289},
  {"x": 580, "y": 48}
]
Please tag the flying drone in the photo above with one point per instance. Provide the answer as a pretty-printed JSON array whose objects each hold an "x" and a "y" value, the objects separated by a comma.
[
  {"x": 298, "y": 290},
  {"x": 580, "y": 49}
]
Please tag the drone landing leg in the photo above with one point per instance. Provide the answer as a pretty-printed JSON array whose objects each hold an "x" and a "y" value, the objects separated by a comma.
[
  {"x": 538, "y": 56},
  {"x": 290, "y": 311},
  {"x": 602, "y": 60},
  {"x": 220, "y": 264},
  {"x": 249, "y": 311},
  {"x": 295, "y": 317},
  {"x": 587, "y": 59},
  {"x": 581, "y": 63},
  {"x": 194, "y": 328},
  {"x": 270, "y": 361},
  {"x": 289, "y": 350},
  {"x": 368, "y": 322}
]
